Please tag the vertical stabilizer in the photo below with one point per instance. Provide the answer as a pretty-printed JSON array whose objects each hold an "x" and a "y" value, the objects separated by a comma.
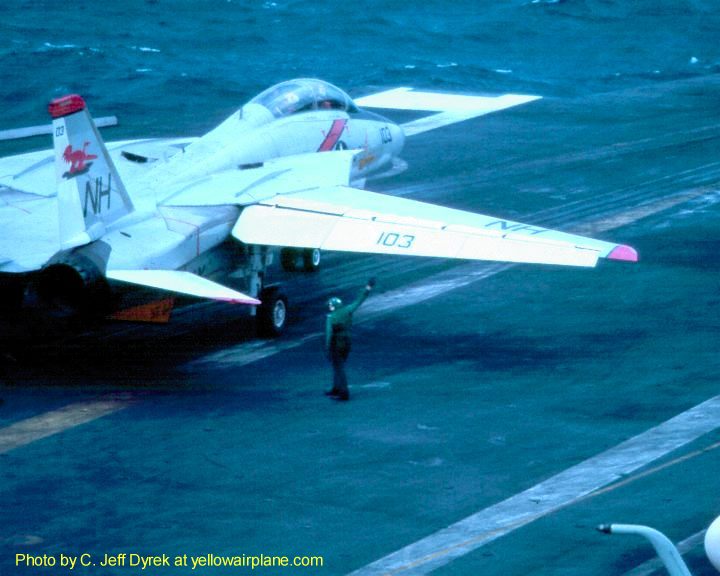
[{"x": 91, "y": 195}]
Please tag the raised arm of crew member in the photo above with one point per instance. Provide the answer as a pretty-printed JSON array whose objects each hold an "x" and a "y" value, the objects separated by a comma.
[{"x": 362, "y": 297}]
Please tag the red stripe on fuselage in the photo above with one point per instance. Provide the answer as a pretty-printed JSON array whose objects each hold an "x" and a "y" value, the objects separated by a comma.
[{"x": 333, "y": 135}]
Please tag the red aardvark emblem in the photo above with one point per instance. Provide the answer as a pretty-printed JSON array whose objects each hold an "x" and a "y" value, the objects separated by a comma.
[{"x": 78, "y": 160}]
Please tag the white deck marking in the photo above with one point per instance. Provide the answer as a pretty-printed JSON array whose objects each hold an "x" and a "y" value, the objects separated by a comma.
[
  {"x": 644, "y": 210},
  {"x": 557, "y": 492},
  {"x": 32, "y": 429},
  {"x": 249, "y": 352}
]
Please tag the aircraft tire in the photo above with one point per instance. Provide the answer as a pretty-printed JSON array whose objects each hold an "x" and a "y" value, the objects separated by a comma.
[
  {"x": 272, "y": 313},
  {"x": 311, "y": 259},
  {"x": 288, "y": 259}
]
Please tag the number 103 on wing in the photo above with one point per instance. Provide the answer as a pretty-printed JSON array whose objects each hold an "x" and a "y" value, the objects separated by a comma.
[{"x": 393, "y": 239}]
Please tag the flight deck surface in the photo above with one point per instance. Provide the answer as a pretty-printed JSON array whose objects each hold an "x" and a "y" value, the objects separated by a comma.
[{"x": 492, "y": 405}]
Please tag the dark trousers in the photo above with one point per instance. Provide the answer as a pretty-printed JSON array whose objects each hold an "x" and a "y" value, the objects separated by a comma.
[{"x": 338, "y": 358}]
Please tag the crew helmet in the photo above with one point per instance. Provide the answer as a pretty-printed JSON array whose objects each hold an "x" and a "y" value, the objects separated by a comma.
[{"x": 334, "y": 303}]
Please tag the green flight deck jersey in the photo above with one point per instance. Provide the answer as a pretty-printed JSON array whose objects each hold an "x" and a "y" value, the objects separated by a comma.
[{"x": 338, "y": 323}]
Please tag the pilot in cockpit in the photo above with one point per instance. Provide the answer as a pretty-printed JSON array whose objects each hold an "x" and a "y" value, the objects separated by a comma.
[{"x": 322, "y": 98}]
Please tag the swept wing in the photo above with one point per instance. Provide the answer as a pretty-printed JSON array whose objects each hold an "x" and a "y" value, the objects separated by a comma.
[
  {"x": 349, "y": 219},
  {"x": 448, "y": 108},
  {"x": 307, "y": 202}
]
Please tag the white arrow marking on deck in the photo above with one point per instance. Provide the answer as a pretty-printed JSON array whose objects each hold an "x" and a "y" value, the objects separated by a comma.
[{"x": 557, "y": 492}]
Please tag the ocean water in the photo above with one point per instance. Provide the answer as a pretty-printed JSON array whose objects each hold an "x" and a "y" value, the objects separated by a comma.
[{"x": 180, "y": 66}]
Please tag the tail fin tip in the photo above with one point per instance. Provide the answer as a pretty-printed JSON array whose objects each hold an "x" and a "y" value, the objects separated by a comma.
[
  {"x": 66, "y": 105},
  {"x": 91, "y": 195}
]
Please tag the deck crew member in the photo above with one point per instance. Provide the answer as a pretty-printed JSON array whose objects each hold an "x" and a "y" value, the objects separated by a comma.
[{"x": 337, "y": 339}]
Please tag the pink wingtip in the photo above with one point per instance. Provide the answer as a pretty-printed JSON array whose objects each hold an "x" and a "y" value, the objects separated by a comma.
[
  {"x": 248, "y": 301},
  {"x": 625, "y": 253}
]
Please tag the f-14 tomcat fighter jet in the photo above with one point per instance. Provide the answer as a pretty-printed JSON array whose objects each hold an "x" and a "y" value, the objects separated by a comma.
[{"x": 286, "y": 170}]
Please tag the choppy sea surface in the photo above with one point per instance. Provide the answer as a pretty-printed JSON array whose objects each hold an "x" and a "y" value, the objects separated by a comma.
[{"x": 180, "y": 66}]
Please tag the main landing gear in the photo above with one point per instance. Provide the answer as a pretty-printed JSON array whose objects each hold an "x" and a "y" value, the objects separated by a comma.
[
  {"x": 271, "y": 315},
  {"x": 310, "y": 258}
]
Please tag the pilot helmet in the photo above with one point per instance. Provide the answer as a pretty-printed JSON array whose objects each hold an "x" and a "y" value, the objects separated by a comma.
[{"x": 334, "y": 303}]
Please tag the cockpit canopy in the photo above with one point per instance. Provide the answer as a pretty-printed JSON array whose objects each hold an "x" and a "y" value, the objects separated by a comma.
[{"x": 303, "y": 95}]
